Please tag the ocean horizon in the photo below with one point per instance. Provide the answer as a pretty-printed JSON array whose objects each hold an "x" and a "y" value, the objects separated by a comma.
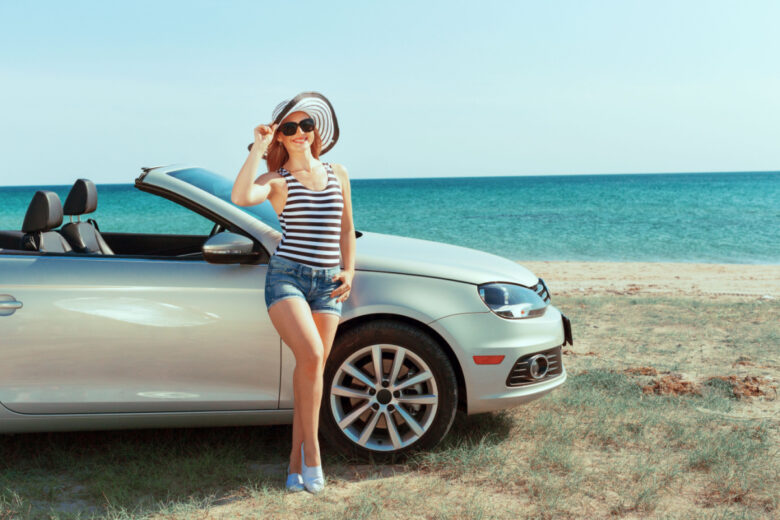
[
  {"x": 557, "y": 175},
  {"x": 718, "y": 217}
]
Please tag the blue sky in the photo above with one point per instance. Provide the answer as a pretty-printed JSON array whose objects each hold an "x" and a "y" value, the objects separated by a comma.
[{"x": 100, "y": 89}]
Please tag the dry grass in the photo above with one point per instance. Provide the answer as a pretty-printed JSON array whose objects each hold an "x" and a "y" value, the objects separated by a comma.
[{"x": 598, "y": 447}]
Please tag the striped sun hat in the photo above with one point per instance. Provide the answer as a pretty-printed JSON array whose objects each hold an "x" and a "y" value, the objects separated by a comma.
[{"x": 319, "y": 108}]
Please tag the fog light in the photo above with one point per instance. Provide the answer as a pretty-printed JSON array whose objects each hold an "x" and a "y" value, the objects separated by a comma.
[{"x": 537, "y": 366}]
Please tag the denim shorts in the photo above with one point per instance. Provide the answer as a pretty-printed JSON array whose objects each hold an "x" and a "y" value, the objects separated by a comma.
[{"x": 287, "y": 278}]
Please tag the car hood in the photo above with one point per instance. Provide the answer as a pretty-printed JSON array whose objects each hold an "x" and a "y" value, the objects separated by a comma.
[{"x": 395, "y": 254}]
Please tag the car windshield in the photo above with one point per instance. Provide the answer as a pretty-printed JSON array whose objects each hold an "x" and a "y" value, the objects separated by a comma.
[{"x": 221, "y": 187}]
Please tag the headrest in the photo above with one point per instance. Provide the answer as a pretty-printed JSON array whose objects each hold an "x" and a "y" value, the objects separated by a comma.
[
  {"x": 82, "y": 198},
  {"x": 43, "y": 213}
]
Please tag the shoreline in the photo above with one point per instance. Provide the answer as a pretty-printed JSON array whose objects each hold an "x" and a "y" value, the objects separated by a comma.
[{"x": 694, "y": 279}]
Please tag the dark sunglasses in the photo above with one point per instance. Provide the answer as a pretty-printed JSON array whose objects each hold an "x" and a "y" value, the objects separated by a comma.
[{"x": 291, "y": 127}]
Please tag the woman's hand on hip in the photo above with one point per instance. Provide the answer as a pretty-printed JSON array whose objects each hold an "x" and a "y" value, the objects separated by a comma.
[{"x": 342, "y": 291}]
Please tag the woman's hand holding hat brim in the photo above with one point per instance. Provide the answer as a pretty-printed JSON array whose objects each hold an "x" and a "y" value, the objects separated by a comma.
[{"x": 319, "y": 108}]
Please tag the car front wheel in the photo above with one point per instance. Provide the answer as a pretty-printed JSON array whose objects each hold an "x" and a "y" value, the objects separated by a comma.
[{"x": 388, "y": 389}]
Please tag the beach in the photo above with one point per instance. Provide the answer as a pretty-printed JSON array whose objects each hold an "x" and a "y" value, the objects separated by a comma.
[
  {"x": 622, "y": 153},
  {"x": 680, "y": 279},
  {"x": 687, "y": 324},
  {"x": 669, "y": 410}
]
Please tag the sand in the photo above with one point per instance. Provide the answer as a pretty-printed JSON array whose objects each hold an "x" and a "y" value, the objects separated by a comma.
[
  {"x": 669, "y": 278},
  {"x": 682, "y": 350}
]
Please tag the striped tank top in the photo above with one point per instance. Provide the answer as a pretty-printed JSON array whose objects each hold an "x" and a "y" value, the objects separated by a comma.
[{"x": 311, "y": 222}]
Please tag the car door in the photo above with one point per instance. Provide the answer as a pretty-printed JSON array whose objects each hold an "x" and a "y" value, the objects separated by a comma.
[{"x": 92, "y": 333}]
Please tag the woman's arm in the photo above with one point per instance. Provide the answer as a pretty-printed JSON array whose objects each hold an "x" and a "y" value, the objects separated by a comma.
[
  {"x": 347, "y": 240},
  {"x": 247, "y": 192}
]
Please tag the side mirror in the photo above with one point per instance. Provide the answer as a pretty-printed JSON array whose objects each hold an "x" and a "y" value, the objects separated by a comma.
[{"x": 229, "y": 248}]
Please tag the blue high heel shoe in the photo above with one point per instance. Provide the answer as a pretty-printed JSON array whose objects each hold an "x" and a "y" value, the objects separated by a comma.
[
  {"x": 294, "y": 481},
  {"x": 313, "y": 479}
]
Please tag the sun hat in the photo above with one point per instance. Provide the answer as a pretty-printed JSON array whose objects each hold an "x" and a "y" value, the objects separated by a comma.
[{"x": 319, "y": 108}]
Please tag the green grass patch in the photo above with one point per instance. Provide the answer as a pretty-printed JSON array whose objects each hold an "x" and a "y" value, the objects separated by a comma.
[{"x": 597, "y": 446}]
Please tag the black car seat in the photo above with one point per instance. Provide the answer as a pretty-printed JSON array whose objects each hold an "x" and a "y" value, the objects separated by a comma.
[
  {"x": 44, "y": 214},
  {"x": 84, "y": 236}
]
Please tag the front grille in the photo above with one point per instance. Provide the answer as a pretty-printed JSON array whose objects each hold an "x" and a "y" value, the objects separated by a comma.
[
  {"x": 541, "y": 289},
  {"x": 520, "y": 376}
]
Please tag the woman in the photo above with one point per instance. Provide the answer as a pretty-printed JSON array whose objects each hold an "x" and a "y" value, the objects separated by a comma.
[{"x": 305, "y": 286}]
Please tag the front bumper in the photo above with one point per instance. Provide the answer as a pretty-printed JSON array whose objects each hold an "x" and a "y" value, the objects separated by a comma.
[{"x": 485, "y": 334}]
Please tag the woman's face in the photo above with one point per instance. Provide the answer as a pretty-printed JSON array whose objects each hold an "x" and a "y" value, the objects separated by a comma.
[{"x": 300, "y": 140}]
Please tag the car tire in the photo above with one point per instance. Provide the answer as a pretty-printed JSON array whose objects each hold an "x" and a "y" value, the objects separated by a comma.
[{"x": 418, "y": 391}]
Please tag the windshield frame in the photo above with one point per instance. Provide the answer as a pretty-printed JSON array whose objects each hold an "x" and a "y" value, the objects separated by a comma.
[{"x": 221, "y": 187}]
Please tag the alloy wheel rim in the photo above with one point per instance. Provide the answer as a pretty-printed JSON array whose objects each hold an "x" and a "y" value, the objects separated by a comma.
[{"x": 384, "y": 397}]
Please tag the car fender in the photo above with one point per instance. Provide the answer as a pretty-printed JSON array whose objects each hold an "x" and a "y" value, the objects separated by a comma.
[{"x": 425, "y": 299}]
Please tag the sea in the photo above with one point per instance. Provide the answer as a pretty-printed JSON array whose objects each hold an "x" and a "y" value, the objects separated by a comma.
[{"x": 723, "y": 217}]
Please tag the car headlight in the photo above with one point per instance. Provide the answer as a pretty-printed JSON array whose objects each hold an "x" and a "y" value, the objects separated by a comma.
[{"x": 512, "y": 301}]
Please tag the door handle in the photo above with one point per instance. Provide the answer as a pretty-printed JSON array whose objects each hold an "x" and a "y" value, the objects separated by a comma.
[{"x": 8, "y": 305}]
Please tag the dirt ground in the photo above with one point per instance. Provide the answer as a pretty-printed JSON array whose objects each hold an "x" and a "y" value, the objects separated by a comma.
[
  {"x": 670, "y": 411},
  {"x": 678, "y": 353}
]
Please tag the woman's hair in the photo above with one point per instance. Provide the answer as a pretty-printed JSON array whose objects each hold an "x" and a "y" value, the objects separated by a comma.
[{"x": 276, "y": 154}]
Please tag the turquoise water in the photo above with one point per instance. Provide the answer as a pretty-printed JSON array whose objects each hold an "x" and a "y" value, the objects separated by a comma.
[{"x": 702, "y": 217}]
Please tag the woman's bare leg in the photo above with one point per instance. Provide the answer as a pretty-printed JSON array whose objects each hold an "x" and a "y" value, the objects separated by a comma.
[
  {"x": 297, "y": 436},
  {"x": 293, "y": 320},
  {"x": 326, "y": 323}
]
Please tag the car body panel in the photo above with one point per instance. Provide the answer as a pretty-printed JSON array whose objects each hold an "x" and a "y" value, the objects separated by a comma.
[
  {"x": 11, "y": 422},
  {"x": 487, "y": 334},
  {"x": 376, "y": 251},
  {"x": 396, "y": 254},
  {"x": 424, "y": 299},
  {"x": 113, "y": 334},
  {"x": 136, "y": 342}
]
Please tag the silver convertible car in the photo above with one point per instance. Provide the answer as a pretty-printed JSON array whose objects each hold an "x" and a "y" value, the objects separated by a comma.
[{"x": 109, "y": 330}]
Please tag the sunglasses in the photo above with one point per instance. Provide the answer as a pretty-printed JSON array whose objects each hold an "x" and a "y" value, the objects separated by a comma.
[{"x": 290, "y": 128}]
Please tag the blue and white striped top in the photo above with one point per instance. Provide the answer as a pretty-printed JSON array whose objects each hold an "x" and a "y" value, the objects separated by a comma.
[{"x": 311, "y": 222}]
